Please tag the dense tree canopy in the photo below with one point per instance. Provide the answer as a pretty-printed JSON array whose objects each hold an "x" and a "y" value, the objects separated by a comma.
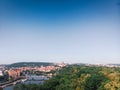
[{"x": 75, "y": 77}]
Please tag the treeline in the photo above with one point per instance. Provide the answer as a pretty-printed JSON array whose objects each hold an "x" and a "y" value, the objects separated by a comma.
[
  {"x": 32, "y": 64},
  {"x": 77, "y": 77}
]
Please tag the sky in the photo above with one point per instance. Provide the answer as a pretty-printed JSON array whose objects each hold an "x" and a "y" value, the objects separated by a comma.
[{"x": 71, "y": 31}]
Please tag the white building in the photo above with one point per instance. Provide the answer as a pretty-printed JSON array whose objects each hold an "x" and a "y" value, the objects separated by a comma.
[{"x": 1, "y": 73}]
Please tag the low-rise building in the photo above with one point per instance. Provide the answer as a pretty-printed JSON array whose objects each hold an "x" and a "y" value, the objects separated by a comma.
[{"x": 1, "y": 73}]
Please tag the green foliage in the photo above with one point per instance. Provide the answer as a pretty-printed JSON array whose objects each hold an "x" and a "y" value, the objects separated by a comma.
[
  {"x": 32, "y": 64},
  {"x": 75, "y": 77},
  {"x": 94, "y": 82}
]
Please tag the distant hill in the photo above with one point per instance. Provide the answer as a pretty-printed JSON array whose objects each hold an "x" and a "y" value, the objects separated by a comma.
[
  {"x": 32, "y": 64},
  {"x": 115, "y": 64}
]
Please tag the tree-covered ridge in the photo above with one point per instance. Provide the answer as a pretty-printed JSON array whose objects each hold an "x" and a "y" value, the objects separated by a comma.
[
  {"x": 32, "y": 64},
  {"x": 77, "y": 77}
]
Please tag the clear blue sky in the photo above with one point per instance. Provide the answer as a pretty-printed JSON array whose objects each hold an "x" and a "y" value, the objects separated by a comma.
[{"x": 83, "y": 31}]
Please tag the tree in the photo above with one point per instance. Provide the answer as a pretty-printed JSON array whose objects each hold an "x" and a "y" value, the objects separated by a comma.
[
  {"x": 94, "y": 82},
  {"x": 77, "y": 88}
]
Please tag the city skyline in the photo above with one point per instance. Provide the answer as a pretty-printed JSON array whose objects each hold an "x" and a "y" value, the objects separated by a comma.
[{"x": 73, "y": 31}]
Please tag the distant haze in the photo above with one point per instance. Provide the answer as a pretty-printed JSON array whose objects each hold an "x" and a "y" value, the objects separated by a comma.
[{"x": 73, "y": 31}]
